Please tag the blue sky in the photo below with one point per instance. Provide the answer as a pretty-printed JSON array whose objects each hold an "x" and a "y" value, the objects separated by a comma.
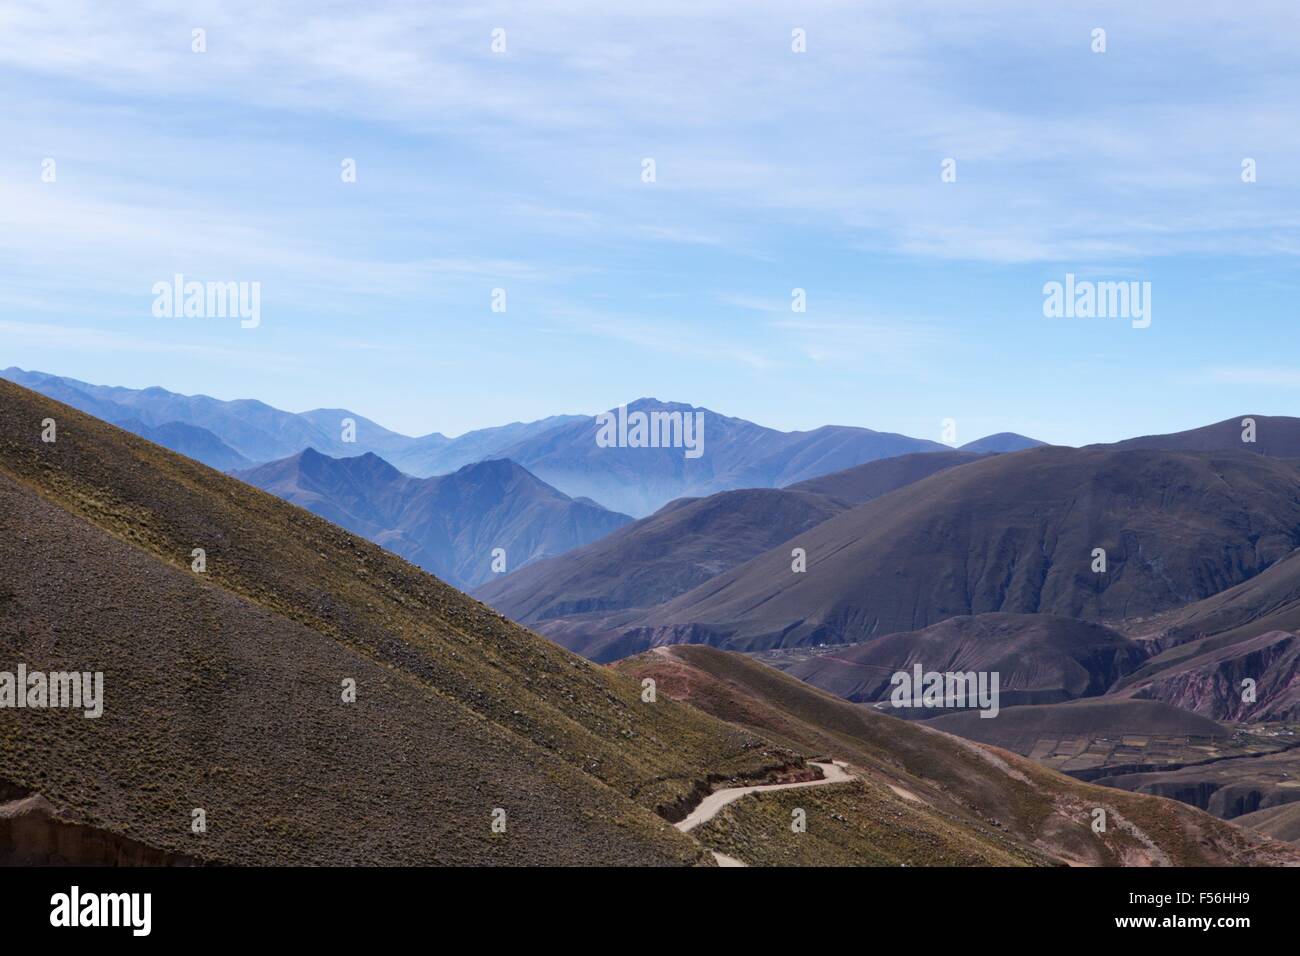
[{"x": 775, "y": 170}]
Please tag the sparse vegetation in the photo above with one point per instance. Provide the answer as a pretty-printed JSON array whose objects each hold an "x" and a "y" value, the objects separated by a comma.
[{"x": 976, "y": 799}]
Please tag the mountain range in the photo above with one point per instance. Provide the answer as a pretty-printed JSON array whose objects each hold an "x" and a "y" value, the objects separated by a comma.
[
  {"x": 977, "y": 559},
  {"x": 325, "y": 702},
  {"x": 1131, "y": 673},
  {"x": 919, "y": 544},
  {"x": 227, "y": 435},
  {"x": 689, "y": 542},
  {"x": 483, "y": 519},
  {"x": 1010, "y": 533},
  {"x": 737, "y": 454},
  {"x": 562, "y": 450},
  {"x": 488, "y": 514}
]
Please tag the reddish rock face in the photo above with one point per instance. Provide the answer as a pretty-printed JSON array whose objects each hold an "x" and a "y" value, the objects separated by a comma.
[{"x": 1213, "y": 683}]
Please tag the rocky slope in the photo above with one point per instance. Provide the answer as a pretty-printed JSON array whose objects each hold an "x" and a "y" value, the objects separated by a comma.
[{"x": 1252, "y": 679}]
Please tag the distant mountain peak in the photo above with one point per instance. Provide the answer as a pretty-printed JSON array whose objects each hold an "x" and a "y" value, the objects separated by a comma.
[
  {"x": 447, "y": 524},
  {"x": 1002, "y": 442},
  {"x": 499, "y": 470},
  {"x": 502, "y": 465},
  {"x": 654, "y": 404}
]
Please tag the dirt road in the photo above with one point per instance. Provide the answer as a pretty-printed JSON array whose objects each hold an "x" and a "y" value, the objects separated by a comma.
[{"x": 708, "y": 809}]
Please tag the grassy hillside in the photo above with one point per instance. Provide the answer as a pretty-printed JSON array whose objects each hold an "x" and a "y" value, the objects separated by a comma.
[
  {"x": 942, "y": 796},
  {"x": 850, "y": 824}
]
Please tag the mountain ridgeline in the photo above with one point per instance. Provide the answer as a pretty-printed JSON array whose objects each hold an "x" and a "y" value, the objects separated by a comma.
[
  {"x": 484, "y": 519},
  {"x": 590, "y": 590},
  {"x": 1010, "y": 533},
  {"x": 566, "y": 451},
  {"x": 244, "y": 432}
]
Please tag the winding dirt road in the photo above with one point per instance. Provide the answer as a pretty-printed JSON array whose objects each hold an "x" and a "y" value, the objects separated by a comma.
[
  {"x": 709, "y": 807},
  {"x": 833, "y": 772}
]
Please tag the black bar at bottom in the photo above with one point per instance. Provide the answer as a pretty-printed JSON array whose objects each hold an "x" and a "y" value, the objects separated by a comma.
[{"x": 939, "y": 907}]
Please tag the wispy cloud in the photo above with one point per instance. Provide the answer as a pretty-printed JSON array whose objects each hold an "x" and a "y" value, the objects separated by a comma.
[
  {"x": 901, "y": 342},
  {"x": 1260, "y": 376},
  {"x": 851, "y": 133},
  {"x": 85, "y": 339}
]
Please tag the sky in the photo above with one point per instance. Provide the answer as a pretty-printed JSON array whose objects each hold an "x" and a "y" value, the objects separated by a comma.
[{"x": 523, "y": 169}]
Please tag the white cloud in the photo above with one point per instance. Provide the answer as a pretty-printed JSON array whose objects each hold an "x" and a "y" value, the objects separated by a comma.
[{"x": 1062, "y": 155}]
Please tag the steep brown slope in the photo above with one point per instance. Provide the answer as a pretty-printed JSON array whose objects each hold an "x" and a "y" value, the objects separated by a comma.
[
  {"x": 583, "y": 598},
  {"x": 1277, "y": 436},
  {"x": 860, "y": 484},
  {"x": 1206, "y": 649},
  {"x": 1040, "y": 658},
  {"x": 924, "y": 794},
  {"x": 1010, "y": 533},
  {"x": 1267, "y": 602},
  {"x": 223, "y": 688},
  {"x": 657, "y": 558}
]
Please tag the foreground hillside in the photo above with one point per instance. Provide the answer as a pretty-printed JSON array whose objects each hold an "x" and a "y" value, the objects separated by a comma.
[{"x": 923, "y": 797}]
